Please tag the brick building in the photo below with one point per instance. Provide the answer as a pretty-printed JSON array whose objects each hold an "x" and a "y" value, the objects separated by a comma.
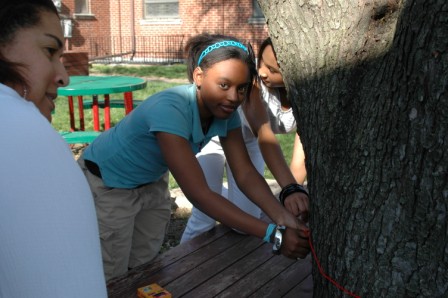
[{"x": 154, "y": 29}]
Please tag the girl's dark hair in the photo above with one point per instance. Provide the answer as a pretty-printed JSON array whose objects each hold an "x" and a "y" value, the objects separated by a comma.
[
  {"x": 197, "y": 44},
  {"x": 264, "y": 44},
  {"x": 15, "y": 15}
]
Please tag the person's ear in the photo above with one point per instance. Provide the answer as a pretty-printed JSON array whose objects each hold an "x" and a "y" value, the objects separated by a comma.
[{"x": 198, "y": 76}]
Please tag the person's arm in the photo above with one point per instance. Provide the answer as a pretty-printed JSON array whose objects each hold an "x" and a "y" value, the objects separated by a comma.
[
  {"x": 257, "y": 116},
  {"x": 254, "y": 186},
  {"x": 298, "y": 161},
  {"x": 251, "y": 183},
  {"x": 185, "y": 169}
]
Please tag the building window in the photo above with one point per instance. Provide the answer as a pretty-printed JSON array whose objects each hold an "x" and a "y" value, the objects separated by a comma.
[
  {"x": 82, "y": 7},
  {"x": 161, "y": 8},
  {"x": 257, "y": 13}
]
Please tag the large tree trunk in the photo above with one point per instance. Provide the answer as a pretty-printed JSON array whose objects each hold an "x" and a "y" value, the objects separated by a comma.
[{"x": 369, "y": 83}]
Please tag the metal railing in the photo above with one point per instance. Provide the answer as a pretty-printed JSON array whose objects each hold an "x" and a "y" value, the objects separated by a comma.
[
  {"x": 140, "y": 50},
  {"x": 161, "y": 49}
]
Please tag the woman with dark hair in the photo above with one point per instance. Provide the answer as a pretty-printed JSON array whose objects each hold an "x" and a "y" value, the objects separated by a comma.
[
  {"x": 267, "y": 112},
  {"x": 48, "y": 229},
  {"x": 127, "y": 166}
]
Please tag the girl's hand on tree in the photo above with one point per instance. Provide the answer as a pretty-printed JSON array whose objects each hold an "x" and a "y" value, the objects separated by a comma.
[
  {"x": 288, "y": 220},
  {"x": 295, "y": 244},
  {"x": 298, "y": 204}
]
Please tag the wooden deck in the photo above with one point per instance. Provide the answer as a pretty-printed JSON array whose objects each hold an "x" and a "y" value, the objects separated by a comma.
[{"x": 220, "y": 263}]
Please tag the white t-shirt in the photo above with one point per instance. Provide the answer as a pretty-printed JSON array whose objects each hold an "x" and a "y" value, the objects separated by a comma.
[
  {"x": 282, "y": 121},
  {"x": 49, "y": 241}
]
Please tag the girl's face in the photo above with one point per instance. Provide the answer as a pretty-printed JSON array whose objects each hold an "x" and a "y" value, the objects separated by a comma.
[
  {"x": 39, "y": 49},
  {"x": 222, "y": 88},
  {"x": 269, "y": 70}
]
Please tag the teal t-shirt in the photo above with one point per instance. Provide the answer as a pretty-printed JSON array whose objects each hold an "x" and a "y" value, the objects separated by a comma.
[{"x": 129, "y": 155}]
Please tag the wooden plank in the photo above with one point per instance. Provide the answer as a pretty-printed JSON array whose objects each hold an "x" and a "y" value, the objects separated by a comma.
[
  {"x": 199, "y": 277},
  {"x": 258, "y": 277},
  {"x": 195, "y": 259},
  {"x": 291, "y": 280},
  {"x": 302, "y": 290},
  {"x": 238, "y": 270},
  {"x": 127, "y": 284},
  {"x": 220, "y": 263}
]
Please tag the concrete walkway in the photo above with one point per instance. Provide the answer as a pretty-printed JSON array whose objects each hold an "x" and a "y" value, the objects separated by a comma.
[{"x": 183, "y": 203}]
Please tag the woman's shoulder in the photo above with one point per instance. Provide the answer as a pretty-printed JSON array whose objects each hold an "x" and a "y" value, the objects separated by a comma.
[
  {"x": 16, "y": 112},
  {"x": 10, "y": 99},
  {"x": 30, "y": 136},
  {"x": 25, "y": 123}
]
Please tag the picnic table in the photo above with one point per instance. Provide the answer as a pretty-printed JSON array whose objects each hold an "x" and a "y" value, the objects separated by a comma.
[
  {"x": 220, "y": 263},
  {"x": 82, "y": 86}
]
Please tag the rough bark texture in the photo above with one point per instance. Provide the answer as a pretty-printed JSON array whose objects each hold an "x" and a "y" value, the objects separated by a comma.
[{"x": 369, "y": 83}]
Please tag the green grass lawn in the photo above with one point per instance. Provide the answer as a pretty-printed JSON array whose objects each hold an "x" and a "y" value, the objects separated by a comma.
[
  {"x": 175, "y": 71},
  {"x": 61, "y": 120}
]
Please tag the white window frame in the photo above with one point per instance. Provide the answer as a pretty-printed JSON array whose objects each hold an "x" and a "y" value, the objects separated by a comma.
[
  {"x": 148, "y": 16},
  {"x": 85, "y": 4},
  {"x": 257, "y": 14}
]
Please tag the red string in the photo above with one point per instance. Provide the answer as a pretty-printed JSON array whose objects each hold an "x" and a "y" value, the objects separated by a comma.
[{"x": 321, "y": 270}]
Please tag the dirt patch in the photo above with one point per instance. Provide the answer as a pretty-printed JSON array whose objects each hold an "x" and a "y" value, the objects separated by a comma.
[{"x": 179, "y": 219}]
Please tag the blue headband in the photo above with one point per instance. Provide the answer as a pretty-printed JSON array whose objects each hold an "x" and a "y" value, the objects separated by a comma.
[{"x": 224, "y": 43}]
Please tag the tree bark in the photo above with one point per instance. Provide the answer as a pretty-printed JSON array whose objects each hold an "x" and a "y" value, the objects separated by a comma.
[{"x": 369, "y": 85}]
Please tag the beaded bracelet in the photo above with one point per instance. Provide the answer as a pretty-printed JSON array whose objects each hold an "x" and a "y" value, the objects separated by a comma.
[
  {"x": 289, "y": 189},
  {"x": 269, "y": 231}
]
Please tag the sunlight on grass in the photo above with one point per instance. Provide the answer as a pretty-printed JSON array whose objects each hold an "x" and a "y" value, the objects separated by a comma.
[
  {"x": 175, "y": 71},
  {"x": 287, "y": 143}
]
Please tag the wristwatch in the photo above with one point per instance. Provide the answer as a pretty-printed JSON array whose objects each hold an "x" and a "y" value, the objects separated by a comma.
[{"x": 278, "y": 238}]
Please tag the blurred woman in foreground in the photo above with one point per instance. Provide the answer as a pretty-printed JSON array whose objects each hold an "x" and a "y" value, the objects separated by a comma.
[{"x": 48, "y": 228}]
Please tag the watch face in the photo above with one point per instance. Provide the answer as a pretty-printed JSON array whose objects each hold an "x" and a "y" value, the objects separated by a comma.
[
  {"x": 277, "y": 240},
  {"x": 278, "y": 237},
  {"x": 277, "y": 244}
]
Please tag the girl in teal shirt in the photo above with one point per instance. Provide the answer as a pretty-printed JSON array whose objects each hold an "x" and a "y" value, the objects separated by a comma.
[{"x": 127, "y": 166}]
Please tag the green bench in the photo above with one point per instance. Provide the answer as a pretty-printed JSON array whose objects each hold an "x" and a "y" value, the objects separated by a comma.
[
  {"x": 87, "y": 137},
  {"x": 113, "y": 103},
  {"x": 79, "y": 137}
]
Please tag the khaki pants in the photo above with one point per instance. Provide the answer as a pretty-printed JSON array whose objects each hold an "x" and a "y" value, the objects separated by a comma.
[{"x": 132, "y": 222}]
